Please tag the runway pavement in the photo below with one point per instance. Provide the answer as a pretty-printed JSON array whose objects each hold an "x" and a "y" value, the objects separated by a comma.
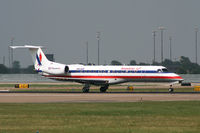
[{"x": 92, "y": 97}]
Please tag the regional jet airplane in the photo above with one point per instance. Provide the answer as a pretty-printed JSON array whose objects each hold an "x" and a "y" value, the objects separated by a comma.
[{"x": 98, "y": 75}]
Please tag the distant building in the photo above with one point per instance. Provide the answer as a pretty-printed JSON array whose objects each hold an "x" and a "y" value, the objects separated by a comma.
[{"x": 50, "y": 57}]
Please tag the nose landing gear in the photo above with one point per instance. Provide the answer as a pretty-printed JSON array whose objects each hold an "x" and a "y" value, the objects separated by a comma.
[{"x": 171, "y": 89}]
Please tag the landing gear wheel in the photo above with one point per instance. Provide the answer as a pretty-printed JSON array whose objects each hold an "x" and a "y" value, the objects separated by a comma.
[
  {"x": 85, "y": 89},
  {"x": 103, "y": 89},
  {"x": 171, "y": 89}
]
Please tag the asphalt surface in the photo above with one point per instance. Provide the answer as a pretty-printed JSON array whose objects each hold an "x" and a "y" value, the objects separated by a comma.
[
  {"x": 80, "y": 92},
  {"x": 94, "y": 97}
]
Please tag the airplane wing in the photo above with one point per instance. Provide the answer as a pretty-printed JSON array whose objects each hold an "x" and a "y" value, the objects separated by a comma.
[{"x": 82, "y": 81}]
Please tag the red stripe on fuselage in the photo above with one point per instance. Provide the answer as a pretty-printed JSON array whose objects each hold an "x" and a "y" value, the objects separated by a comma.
[{"x": 126, "y": 77}]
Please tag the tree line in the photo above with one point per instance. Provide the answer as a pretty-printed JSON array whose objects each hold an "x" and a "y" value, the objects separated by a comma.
[
  {"x": 16, "y": 69},
  {"x": 183, "y": 66}
]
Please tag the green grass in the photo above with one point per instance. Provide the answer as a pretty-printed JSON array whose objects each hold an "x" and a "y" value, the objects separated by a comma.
[
  {"x": 140, "y": 117},
  {"x": 42, "y": 85},
  {"x": 7, "y": 85}
]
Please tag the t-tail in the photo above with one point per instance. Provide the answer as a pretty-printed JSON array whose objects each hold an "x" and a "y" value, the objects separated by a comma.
[
  {"x": 41, "y": 63},
  {"x": 38, "y": 57}
]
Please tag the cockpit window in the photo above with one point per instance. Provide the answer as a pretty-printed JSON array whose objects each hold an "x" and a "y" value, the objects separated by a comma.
[
  {"x": 159, "y": 70},
  {"x": 165, "y": 70}
]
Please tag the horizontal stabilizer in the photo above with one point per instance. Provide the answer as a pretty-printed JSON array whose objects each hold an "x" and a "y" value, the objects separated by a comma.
[
  {"x": 39, "y": 59},
  {"x": 26, "y": 46}
]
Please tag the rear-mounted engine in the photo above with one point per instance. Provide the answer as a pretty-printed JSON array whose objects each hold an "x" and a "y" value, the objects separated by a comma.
[
  {"x": 66, "y": 69},
  {"x": 57, "y": 69}
]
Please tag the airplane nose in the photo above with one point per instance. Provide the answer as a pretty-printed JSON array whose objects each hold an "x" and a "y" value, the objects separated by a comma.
[{"x": 179, "y": 78}]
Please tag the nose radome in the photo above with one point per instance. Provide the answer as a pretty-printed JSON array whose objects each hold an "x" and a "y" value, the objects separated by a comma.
[{"x": 178, "y": 77}]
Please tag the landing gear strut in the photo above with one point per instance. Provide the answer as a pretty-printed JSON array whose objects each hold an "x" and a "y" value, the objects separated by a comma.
[
  {"x": 104, "y": 88},
  {"x": 86, "y": 88},
  {"x": 171, "y": 89}
]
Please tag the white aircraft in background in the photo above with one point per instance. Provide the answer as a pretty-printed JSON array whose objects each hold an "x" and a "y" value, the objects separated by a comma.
[{"x": 98, "y": 75}]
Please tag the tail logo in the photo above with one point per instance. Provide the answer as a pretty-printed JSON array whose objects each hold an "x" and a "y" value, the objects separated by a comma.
[{"x": 39, "y": 59}]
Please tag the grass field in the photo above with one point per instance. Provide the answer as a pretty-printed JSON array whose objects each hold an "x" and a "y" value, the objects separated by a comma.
[{"x": 140, "y": 117}]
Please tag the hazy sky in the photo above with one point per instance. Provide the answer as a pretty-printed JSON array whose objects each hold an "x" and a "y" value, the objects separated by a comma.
[{"x": 63, "y": 26}]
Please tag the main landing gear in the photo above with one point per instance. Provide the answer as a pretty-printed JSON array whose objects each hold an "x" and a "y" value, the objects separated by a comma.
[
  {"x": 86, "y": 88},
  {"x": 104, "y": 88}
]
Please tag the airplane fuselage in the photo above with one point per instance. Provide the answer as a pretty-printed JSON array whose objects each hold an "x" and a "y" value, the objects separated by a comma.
[{"x": 116, "y": 74}]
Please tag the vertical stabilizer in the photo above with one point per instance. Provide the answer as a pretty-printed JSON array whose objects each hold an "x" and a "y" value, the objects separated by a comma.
[{"x": 38, "y": 56}]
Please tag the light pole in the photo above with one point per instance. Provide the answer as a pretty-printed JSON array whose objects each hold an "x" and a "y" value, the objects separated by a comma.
[
  {"x": 196, "y": 31},
  {"x": 98, "y": 39},
  {"x": 154, "y": 45},
  {"x": 86, "y": 52},
  {"x": 170, "y": 47},
  {"x": 11, "y": 50},
  {"x": 9, "y": 56},
  {"x": 3, "y": 60},
  {"x": 161, "y": 30}
]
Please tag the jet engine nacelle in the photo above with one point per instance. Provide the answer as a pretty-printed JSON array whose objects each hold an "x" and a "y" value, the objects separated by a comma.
[
  {"x": 57, "y": 69},
  {"x": 66, "y": 69}
]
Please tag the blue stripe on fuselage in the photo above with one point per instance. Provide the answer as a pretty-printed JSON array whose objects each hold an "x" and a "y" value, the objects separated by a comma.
[{"x": 113, "y": 71}]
